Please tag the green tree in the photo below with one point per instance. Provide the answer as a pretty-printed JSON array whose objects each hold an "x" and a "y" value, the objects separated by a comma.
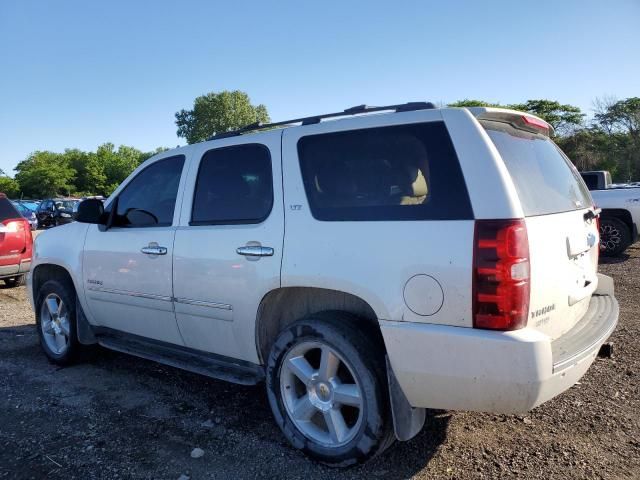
[
  {"x": 467, "y": 102},
  {"x": 217, "y": 113},
  {"x": 564, "y": 118},
  {"x": 45, "y": 174},
  {"x": 9, "y": 186},
  {"x": 90, "y": 177},
  {"x": 620, "y": 119}
]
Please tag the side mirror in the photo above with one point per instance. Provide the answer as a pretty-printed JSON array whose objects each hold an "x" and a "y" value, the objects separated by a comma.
[{"x": 91, "y": 210}]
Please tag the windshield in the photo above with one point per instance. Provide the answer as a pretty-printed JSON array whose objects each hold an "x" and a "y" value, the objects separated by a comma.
[
  {"x": 22, "y": 209},
  {"x": 544, "y": 178}
]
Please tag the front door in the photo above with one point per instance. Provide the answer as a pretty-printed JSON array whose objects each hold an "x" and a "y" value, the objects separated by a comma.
[
  {"x": 228, "y": 247},
  {"x": 127, "y": 266}
]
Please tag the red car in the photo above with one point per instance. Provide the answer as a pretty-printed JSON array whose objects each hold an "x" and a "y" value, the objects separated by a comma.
[{"x": 16, "y": 244}]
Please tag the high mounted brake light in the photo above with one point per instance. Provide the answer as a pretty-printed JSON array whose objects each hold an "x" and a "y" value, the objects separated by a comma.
[
  {"x": 535, "y": 122},
  {"x": 501, "y": 275}
]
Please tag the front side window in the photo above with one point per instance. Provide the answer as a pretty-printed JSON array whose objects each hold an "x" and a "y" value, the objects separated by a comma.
[
  {"x": 404, "y": 172},
  {"x": 234, "y": 186},
  {"x": 149, "y": 199}
]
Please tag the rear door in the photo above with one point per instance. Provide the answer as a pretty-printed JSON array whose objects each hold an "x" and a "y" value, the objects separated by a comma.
[
  {"x": 229, "y": 244},
  {"x": 562, "y": 231}
]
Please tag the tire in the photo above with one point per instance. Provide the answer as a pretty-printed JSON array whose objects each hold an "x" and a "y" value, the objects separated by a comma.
[
  {"x": 56, "y": 321},
  {"x": 14, "y": 281},
  {"x": 365, "y": 430},
  {"x": 615, "y": 236}
]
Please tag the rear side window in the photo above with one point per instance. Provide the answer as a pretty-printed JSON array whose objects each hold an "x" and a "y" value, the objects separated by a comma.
[
  {"x": 591, "y": 181},
  {"x": 404, "y": 172},
  {"x": 234, "y": 186},
  {"x": 7, "y": 210},
  {"x": 149, "y": 199},
  {"x": 545, "y": 180}
]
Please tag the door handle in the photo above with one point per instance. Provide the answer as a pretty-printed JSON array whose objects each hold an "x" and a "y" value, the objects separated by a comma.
[
  {"x": 255, "y": 251},
  {"x": 154, "y": 250}
]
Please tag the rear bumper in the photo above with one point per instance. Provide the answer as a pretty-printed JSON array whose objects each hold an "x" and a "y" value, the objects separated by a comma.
[{"x": 457, "y": 368}]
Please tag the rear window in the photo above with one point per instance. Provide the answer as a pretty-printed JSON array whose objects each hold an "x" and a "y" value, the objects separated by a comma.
[
  {"x": 404, "y": 172},
  {"x": 545, "y": 180},
  {"x": 7, "y": 210},
  {"x": 591, "y": 180}
]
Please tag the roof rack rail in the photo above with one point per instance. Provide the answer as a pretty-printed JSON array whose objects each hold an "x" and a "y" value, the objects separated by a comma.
[{"x": 357, "y": 110}]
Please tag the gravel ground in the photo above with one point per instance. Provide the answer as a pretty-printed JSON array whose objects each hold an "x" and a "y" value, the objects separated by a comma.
[{"x": 122, "y": 417}]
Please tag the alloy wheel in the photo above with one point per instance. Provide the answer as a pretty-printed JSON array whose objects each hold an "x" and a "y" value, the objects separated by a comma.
[
  {"x": 610, "y": 237},
  {"x": 54, "y": 322},
  {"x": 321, "y": 394}
]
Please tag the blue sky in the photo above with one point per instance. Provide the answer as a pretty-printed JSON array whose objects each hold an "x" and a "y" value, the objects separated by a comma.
[{"x": 79, "y": 73}]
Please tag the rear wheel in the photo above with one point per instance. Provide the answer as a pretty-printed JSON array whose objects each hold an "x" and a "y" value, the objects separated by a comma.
[
  {"x": 56, "y": 321},
  {"x": 327, "y": 389},
  {"x": 14, "y": 281},
  {"x": 615, "y": 236}
]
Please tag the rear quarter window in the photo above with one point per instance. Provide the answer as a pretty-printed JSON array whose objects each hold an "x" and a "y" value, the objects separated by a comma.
[
  {"x": 7, "y": 210},
  {"x": 545, "y": 180},
  {"x": 403, "y": 172}
]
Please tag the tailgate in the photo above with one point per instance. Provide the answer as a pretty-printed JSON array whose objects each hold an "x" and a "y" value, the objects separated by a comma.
[
  {"x": 13, "y": 236},
  {"x": 560, "y": 220},
  {"x": 563, "y": 251}
]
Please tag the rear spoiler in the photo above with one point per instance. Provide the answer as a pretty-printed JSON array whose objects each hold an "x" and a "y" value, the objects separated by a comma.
[{"x": 519, "y": 120}]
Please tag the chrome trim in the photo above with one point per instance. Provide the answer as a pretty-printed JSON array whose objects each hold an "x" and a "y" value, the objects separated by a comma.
[
  {"x": 149, "y": 296},
  {"x": 201, "y": 303}
]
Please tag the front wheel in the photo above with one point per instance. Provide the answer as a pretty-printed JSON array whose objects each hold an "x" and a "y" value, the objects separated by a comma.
[
  {"x": 615, "y": 236},
  {"x": 56, "y": 321},
  {"x": 327, "y": 389}
]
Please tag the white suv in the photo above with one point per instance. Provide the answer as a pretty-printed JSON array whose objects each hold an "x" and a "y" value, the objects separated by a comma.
[{"x": 366, "y": 268}]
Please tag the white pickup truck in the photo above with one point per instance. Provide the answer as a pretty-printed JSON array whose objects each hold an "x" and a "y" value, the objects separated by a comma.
[
  {"x": 366, "y": 268},
  {"x": 620, "y": 211}
]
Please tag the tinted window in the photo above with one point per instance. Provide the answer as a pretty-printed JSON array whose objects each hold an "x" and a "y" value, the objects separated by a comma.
[
  {"x": 405, "y": 172},
  {"x": 7, "y": 210},
  {"x": 150, "y": 198},
  {"x": 591, "y": 181},
  {"x": 544, "y": 178},
  {"x": 234, "y": 185}
]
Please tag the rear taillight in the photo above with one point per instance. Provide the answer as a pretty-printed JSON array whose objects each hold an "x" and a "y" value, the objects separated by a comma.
[
  {"x": 13, "y": 225},
  {"x": 500, "y": 275}
]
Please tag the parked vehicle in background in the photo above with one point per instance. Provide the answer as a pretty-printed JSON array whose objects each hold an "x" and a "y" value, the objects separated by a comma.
[
  {"x": 620, "y": 211},
  {"x": 30, "y": 204},
  {"x": 55, "y": 211},
  {"x": 27, "y": 213},
  {"x": 365, "y": 268},
  {"x": 16, "y": 244}
]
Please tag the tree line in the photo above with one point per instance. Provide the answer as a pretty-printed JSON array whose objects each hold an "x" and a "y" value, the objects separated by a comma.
[{"x": 610, "y": 140}]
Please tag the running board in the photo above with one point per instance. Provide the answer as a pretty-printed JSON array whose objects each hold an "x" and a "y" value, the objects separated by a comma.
[{"x": 196, "y": 361}]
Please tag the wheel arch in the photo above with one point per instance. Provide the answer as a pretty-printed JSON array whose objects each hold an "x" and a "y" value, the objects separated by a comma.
[
  {"x": 281, "y": 307},
  {"x": 49, "y": 271},
  {"x": 620, "y": 214}
]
